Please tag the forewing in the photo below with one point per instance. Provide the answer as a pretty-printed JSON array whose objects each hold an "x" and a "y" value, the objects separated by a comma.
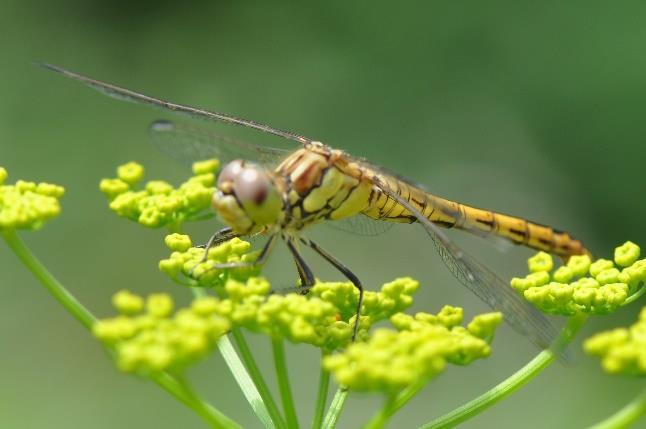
[
  {"x": 195, "y": 112},
  {"x": 520, "y": 315},
  {"x": 189, "y": 144}
]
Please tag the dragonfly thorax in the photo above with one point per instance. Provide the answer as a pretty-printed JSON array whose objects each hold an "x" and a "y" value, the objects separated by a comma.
[{"x": 247, "y": 198}]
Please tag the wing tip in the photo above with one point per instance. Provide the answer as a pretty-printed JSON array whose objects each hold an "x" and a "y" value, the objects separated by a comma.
[
  {"x": 163, "y": 125},
  {"x": 49, "y": 66}
]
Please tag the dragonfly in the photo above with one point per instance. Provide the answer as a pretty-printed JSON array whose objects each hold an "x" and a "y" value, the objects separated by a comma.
[{"x": 280, "y": 193}]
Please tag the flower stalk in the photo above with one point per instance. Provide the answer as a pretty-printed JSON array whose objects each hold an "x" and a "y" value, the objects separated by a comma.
[
  {"x": 258, "y": 379},
  {"x": 394, "y": 404},
  {"x": 53, "y": 286},
  {"x": 626, "y": 416},
  {"x": 336, "y": 407},
  {"x": 280, "y": 364},
  {"x": 321, "y": 397}
]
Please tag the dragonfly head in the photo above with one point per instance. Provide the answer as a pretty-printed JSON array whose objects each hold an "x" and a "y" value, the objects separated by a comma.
[{"x": 247, "y": 199}]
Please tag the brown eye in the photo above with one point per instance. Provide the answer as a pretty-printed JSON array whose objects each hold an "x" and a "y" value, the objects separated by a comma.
[
  {"x": 252, "y": 186},
  {"x": 230, "y": 172}
]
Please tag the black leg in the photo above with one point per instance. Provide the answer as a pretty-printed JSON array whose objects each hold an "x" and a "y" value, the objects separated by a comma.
[
  {"x": 225, "y": 234},
  {"x": 307, "y": 278},
  {"x": 346, "y": 272},
  {"x": 262, "y": 258}
]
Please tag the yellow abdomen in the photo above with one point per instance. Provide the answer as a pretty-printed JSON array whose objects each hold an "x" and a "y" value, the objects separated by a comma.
[{"x": 451, "y": 214}]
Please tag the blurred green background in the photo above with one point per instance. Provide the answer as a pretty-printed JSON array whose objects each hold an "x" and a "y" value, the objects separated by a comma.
[{"x": 531, "y": 108}]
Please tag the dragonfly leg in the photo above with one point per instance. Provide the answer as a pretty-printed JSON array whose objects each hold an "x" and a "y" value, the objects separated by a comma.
[
  {"x": 304, "y": 272},
  {"x": 225, "y": 234},
  {"x": 346, "y": 272},
  {"x": 262, "y": 258},
  {"x": 221, "y": 236}
]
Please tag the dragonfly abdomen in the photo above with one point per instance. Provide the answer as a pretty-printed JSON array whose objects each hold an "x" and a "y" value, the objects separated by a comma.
[
  {"x": 451, "y": 214},
  {"x": 519, "y": 231}
]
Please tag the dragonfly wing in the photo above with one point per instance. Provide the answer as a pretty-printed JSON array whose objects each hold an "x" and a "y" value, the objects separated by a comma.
[
  {"x": 485, "y": 284},
  {"x": 361, "y": 225},
  {"x": 195, "y": 112},
  {"x": 188, "y": 144}
]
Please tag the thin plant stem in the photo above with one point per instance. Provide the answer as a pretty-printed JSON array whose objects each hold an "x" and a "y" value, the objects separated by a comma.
[
  {"x": 380, "y": 419},
  {"x": 180, "y": 389},
  {"x": 166, "y": 381},
  {"x": 635, "y": 296},
  {"x": 280, "y": 364},
  {"x": 335, "y": 409},
  {"x": 245, "y": 382},
  {"x": 53, "y": 286},
  {"x": 321, "y": 397},
  {"x": 256, "y": 376},
  {"x": 625, "y": 417},
  {"x": 514, "y": 382},
  {"x": 394, "y": 404},
  {"x": 240, "y": 374}
]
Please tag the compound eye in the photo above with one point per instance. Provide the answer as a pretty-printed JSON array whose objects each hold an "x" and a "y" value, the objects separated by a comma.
[
  {"x": 230, "y": 172},
  {"x": 252, "y": 186}
]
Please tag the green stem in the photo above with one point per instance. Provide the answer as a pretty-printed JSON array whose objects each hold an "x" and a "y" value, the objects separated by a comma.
[
  {"x": 245, "y": 382},
  {"x": 321, "y": 398},
  {"x": 259, "y": 396},
  {"x": 635, "y": 296},
  {"x": 87, "y": 319},
  {"x": 513, "y": 383},
  {"x": 256, "y": 376},
  {"x": 286, "y": 397},
  {"x": 394, "y": 404},
  {"x": 54, "y": 287},
  {"x": 625, "y": 417},
  {"x": 240, "y": 374},
  {"x": 380, "y": 419},
  {"x": 335, "y": 409},
  {"x": 180, "y": 389}
]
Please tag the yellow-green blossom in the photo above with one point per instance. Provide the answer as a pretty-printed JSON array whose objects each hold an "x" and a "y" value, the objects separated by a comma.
[
  {"x": 27, "y": 205},
  {"x": 206, "y": 167},
  {"x": 131, "y": 173},
  {"x": 127, "y": 302},
  {"x": 622, "y": 350},
  {"x": 158, "y": 203},
  {"x": 157, "y": 339},
  {"x": 583, "y": 285},
  {"x": 627, "y": 254},
  {"x": 540, "y": 262},
  {"x": 600, "y": 265},
  {"x": 579, "y": 264},
  {"x": 178, "y": 242},
  {"x": 393, "y": 360}
]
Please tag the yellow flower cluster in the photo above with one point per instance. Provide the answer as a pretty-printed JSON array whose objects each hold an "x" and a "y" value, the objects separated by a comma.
[
  {"x": 622, "y": 350},
  {"x": 158, "y": 203},
  {"x": 598, "y": 287},
  {"x": 186, "y": 266},
  {"x": 393, "y": 360},
  {"x": 27, "y": 205},
  {"x": 148, "y": 337},
  {"x": 394, "y": 297},
  {"x": 318, "y": 318}
]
